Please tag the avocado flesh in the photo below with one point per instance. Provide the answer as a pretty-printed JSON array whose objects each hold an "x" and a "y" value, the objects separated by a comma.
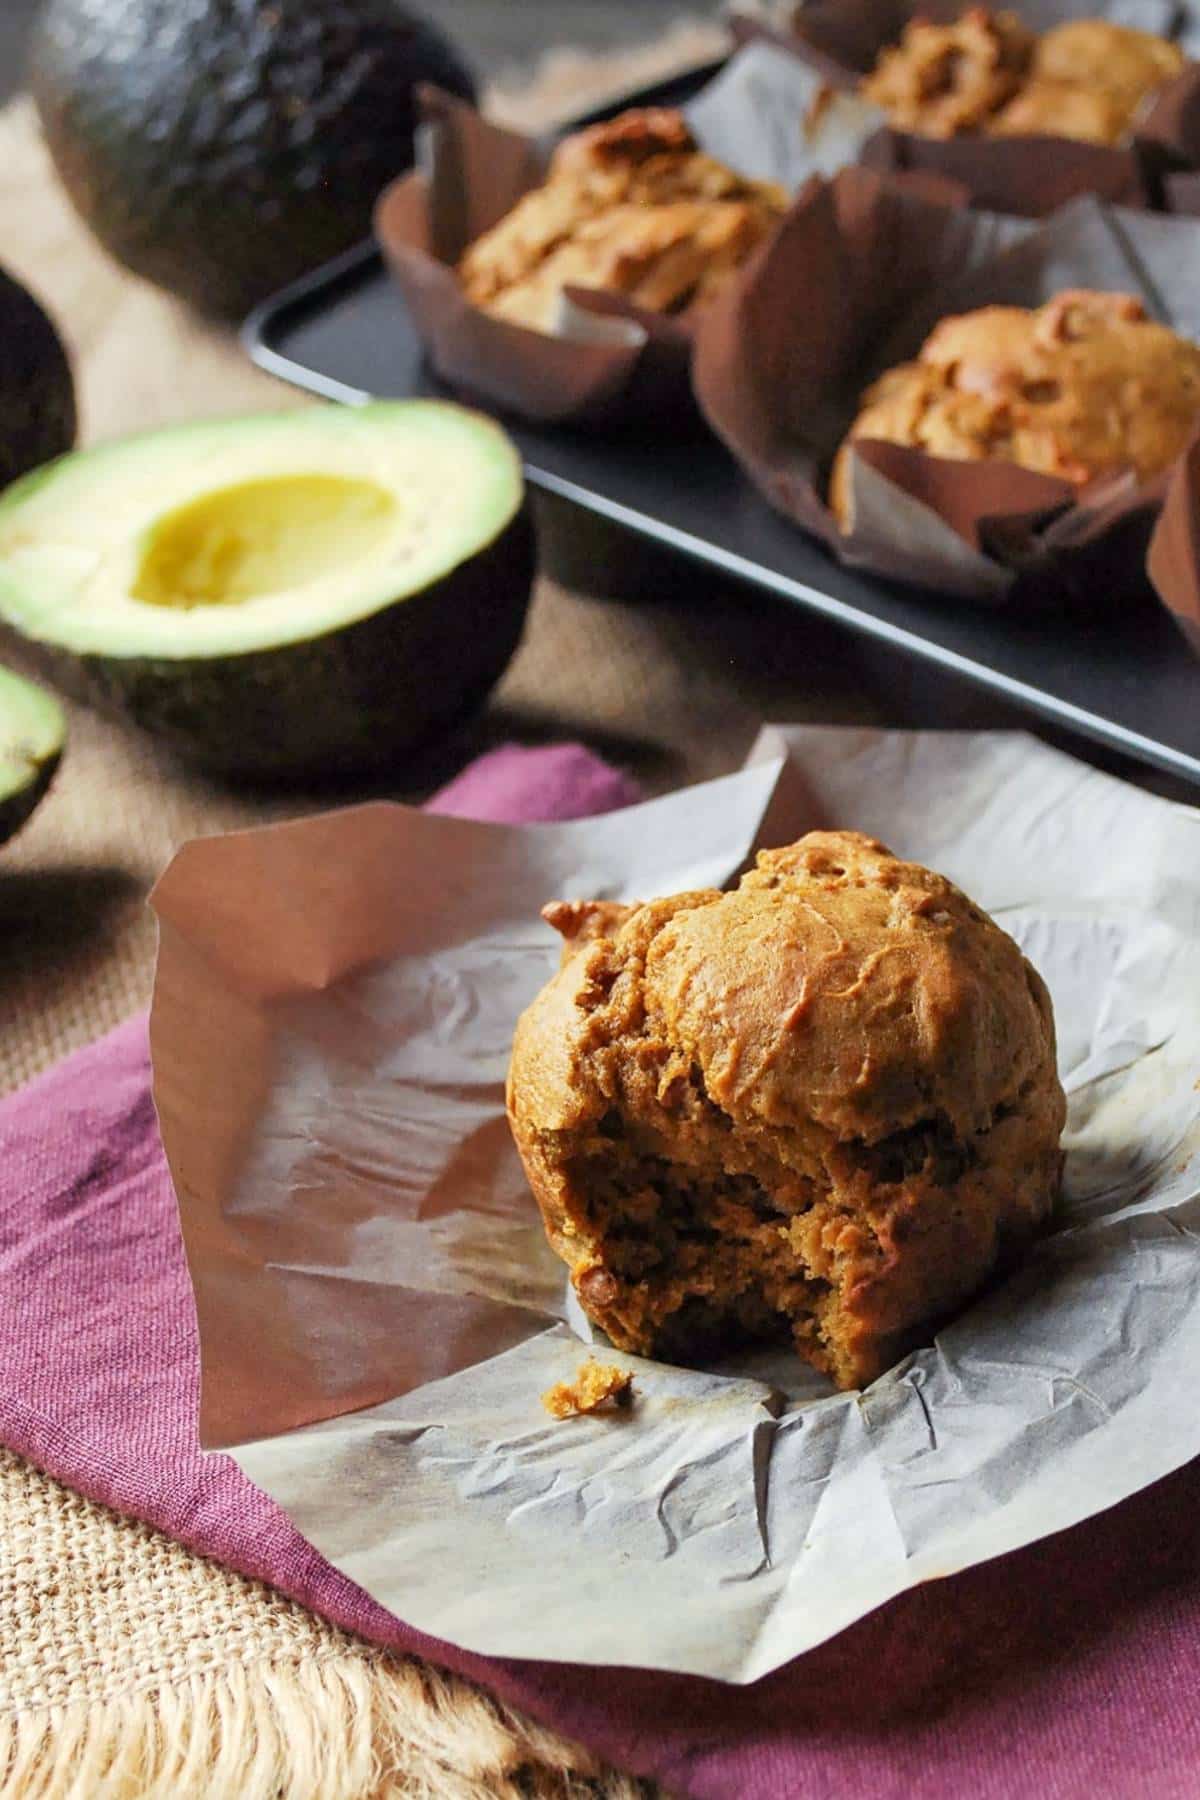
[
  {"x": 293, "y": 595},
  {"x": 32, "y": 734}
]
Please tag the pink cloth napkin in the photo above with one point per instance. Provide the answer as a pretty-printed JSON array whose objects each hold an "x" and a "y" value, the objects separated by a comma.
[{"x": 1066, "y": 1670}]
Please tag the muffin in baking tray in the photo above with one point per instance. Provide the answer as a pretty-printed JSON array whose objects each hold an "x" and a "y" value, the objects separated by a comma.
[
  {"x": 818, "y": 1109},
  {"x": 943, "y": 80},
  {"x": 1082, "y": 386},
  {"x": 987, "y": 72},
  {"x": 631, "y": 207}
]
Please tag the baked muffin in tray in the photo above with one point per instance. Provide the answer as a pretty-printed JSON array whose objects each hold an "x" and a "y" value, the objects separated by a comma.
[
  {"x": 986, "y": 72},
  {"x": 631, "y": 207},
  {"x": 1083, "y": 386},
  {"x": 942, "y": 80},
  {"x": 819, "y": 1109}
]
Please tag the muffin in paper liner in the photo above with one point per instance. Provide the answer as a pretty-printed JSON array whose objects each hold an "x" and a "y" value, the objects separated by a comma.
[
  {"x": 1028, "y": 176},
  {"x": 851, "y": 285},
  {"x": 609, "y": 361},
  {"x": 606, "y": 361}
]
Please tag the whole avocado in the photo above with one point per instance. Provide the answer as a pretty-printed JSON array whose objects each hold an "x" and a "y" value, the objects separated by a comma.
[
  {"x": 37, "y": 394},
  {"x": 221, "y": 148}
]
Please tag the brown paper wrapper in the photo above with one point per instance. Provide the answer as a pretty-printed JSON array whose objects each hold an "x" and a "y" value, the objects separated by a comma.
[
  {"x": 475, "y": 174},
  {"x": 857, "y": 276},
  {"x": 1028, "y": 177},
  {"x": 1173, "y": 563}
]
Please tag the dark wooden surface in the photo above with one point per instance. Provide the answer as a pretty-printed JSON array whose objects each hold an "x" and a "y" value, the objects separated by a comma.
[{"x": 501, "y": 37}]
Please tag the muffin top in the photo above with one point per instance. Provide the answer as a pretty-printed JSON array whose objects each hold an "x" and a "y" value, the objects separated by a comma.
[
  {"x": 631, "y": 207},
  {"x": 940, "y": 81},
  {"x": 1083, "y": 386},
  {"x": 987, "y": 72},
  {"x": 837, "y": 987}
]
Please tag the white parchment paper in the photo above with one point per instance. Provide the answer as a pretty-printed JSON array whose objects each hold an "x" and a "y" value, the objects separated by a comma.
[
  {"x": 735, "y": 1518},
  {"x": 772, "y": 117}
]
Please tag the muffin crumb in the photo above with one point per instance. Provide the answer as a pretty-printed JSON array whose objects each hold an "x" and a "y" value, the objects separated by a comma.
[{"x": 595, "y": 1385}]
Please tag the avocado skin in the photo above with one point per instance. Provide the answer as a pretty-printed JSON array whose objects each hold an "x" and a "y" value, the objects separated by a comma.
[
  {"x": 37, "y": 393},
  {"x": 349, "y": 702},
  {"x": 221, "y": 148},
  {"x": 16, "y": 808}
]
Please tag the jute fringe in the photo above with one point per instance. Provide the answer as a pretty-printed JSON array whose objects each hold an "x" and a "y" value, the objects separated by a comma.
[
  {"x": 132, "y": 1670},
  {"x": 337, "y": 1728}
]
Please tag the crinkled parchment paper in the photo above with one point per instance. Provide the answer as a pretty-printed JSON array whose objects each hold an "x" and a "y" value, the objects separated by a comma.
[{"x": 330, "y": 1027}]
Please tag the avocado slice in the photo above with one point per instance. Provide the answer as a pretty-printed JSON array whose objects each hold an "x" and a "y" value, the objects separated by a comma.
[
  {"x": 32, "y": 734},
  {"x": 37, "y": 393},
  {"x": 220, "y": 148},
  {"x": 294, "y": 595}
]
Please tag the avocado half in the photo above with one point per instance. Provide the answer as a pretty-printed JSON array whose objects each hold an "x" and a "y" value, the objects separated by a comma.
[
  {"x": 220, "y": 148},
  {"x": 37, "y": 393},
  {"x": 298, "y": 595},
  {"x": 33, "y": 732}
]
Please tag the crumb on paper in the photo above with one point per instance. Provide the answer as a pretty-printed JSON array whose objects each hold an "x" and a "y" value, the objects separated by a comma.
[{"x": 595, "y": 1384}]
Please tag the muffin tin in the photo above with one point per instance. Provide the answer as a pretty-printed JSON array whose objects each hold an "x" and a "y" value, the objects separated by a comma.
[{"x": 1124, "y": 677}]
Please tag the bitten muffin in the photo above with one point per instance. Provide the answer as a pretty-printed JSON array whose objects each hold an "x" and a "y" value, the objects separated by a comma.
[
  {"x": 987, "y": 72},
  {"x": 630, "y": 207},
  {"x": 1083, "y": 386},
  {"x": 818, "y": 1109}
]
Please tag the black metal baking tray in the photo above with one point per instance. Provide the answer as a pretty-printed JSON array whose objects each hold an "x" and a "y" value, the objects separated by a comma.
[{"x": 1127, "y": 680}]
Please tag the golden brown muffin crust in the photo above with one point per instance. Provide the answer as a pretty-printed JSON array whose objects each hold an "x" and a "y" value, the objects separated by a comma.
[
  {"x": 986, "y": 72},
  {"x": 942, "y": 80},
  {"x": 1116, "y": 58},
  {"x": 820, "y": 1105},
  {"x": 1083, "y": 386},
  {"x": 1063, "y": 109},
  {"x": 628, "y": 207}
]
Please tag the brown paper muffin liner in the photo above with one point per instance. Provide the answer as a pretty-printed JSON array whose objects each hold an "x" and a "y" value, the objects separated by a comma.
[
  {"x": 1024, "y": 176},
  {"x": 857, "y": 276},
  {"x": 474, "y": 173},
  {"x": 1174, "y": 560}
]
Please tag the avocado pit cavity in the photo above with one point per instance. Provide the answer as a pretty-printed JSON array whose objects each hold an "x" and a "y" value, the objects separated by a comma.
[{"x": 264, "y": 537}]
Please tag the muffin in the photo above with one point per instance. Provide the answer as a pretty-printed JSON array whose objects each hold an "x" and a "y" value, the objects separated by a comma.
[
  {"x": 940, "y": 81},
  {"x": 986, "y": 72},
  {"x": 1083, "y": 386},
  {"x": 816, "y": 1110},
  {"x": 630, "y": 207}
]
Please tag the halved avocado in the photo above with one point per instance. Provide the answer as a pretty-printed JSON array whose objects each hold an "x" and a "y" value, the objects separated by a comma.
[
  {"x": 32, "y": 734},
  {"x": 295, "y": 595}
]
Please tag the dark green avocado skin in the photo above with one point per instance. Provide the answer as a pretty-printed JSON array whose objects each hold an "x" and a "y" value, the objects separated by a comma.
[
  {"x": 37, "y": 394},
  {"x": 350, "y": 702},
  {"x": 221, "y": 148},
  {"x": 17, "y": 808}
]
